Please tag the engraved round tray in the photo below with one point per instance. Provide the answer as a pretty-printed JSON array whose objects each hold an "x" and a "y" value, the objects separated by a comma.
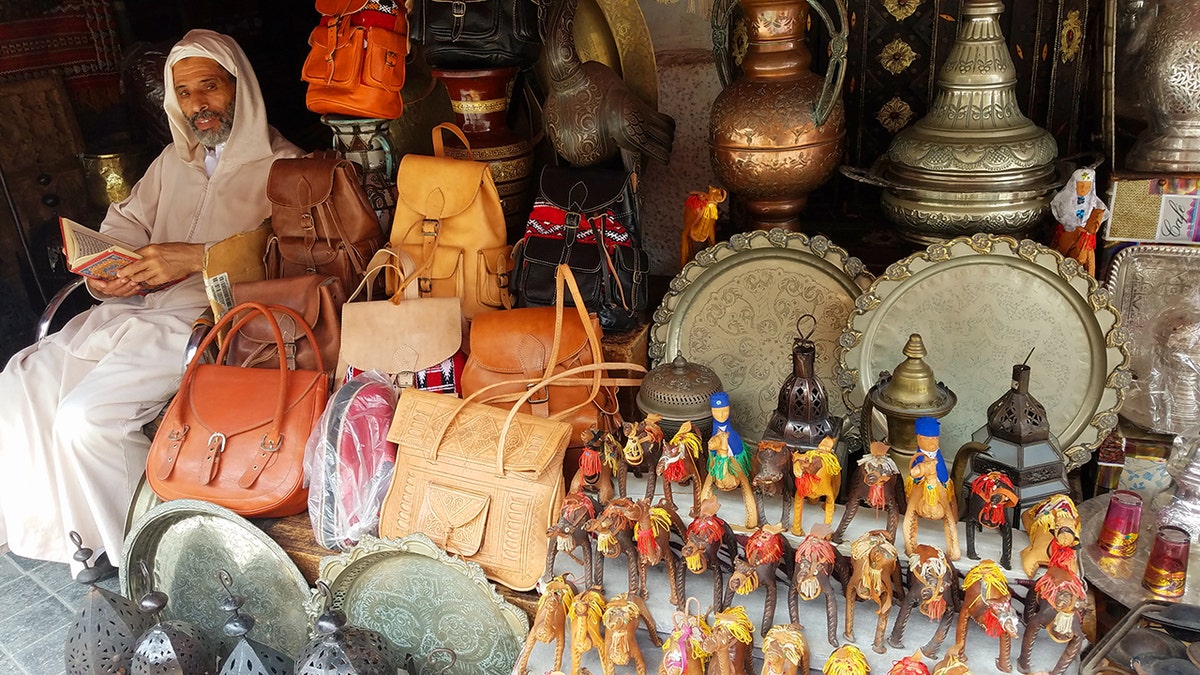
[
  {"x": 143, "y": 500},
  {"x": 734, "y": 309},
  {"x": 184, "y": 542},
  {"x": 981, "y": 303},
  {"x": 422, "y": 599}
]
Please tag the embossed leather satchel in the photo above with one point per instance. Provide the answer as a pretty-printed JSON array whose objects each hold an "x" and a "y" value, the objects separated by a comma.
[{"x": 235, "y": 436}]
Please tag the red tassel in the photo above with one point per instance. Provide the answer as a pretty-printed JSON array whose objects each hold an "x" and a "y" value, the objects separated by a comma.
[
  {"x": 934, "y": 608},
  {"x": 1062, "y": 556},
  {"x": 675, "y": 471},
  {"x": 991, "y": 625},
  {"x": 875, "y": 496},
  {"x": 804, "y": 484},
  {"x": 992, "y": 515},
  {"x": 589, "y": 461},
  {"x": 645, "y": 541}
]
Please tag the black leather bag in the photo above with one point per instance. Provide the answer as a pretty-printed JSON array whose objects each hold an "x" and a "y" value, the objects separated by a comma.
[
  {"x": 587, "y": 219},
  {"x": 477, "y": 33}
]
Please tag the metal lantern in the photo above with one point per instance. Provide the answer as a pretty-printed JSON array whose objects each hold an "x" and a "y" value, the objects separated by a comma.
[
  {"x": 106, "y": 630},
  {"x": 801, "y": 418},
  {"x": 170, "y": 647},
  {"x": 679, "y": 391},
  {"x": 903, "y": 395},
  {"x": 1017, "y": 442},
  {"x": 340, "y": 650},
  {"x": 248, "y": 657}
]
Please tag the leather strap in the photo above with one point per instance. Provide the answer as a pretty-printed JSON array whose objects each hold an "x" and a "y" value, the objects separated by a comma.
[
  {"x": 176, "y": 436},
  {"x": 383, "y": 259},
  {"x": 439, "y": 148}
]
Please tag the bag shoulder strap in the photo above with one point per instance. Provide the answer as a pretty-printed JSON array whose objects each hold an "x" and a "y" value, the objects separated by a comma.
[
  {"x": 393, "y": 259},
  {"x": 439, "y": 148}
]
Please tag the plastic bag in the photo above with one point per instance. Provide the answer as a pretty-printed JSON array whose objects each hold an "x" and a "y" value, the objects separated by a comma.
[
  {"x": 1173, "y": 377},
  {"x": 349, "y": 461}
]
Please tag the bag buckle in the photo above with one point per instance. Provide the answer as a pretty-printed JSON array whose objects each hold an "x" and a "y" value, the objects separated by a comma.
[
  {"x": 270, "y": 446},
  {"x": 430, "y": 227},
  {"x": 289, "y": 348},
  {"x": 425, "y": 285},
  {"x": 216, "y": 444},
  {"x": 458, "y": 9},
  {"x": 502, "y": 279},
  {"x": 545, "y": 395},
  {"x": 178, "y": 434}
]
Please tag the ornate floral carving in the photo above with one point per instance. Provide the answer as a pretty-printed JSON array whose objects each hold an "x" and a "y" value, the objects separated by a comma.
[
  {"x": 894, "y": 115},
  {"x": 896, "y": 56},
  {"x": 901, "y": 9},
  {"x": 1070, "y": 36}
]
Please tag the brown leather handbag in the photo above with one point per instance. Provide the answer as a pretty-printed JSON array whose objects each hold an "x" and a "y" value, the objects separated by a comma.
[
  {"x": 235, "y": 436},
  {"x": 322, "y": 221},
  {"x": 514, "y": 350},
  {"x": 448, "y": 218},
  {"x": 317, "y": 299}
]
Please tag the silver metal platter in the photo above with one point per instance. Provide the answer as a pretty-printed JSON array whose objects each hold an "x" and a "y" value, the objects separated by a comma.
[
  {"x": 422, "y": 599},
  {"x": 1144, "y": 280},
  {"x": 184, "y": 542},
  {"x": 734, "y": 309},
  {"x": 981, "y": 303},
  {"x": 143, "y": 500}
]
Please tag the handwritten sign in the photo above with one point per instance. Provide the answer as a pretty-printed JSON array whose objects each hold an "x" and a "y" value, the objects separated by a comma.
[{"x": 1179, "y": 219}]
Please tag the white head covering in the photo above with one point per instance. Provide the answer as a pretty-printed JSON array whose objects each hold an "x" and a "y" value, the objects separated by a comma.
[
  {"x": 1071, "y": 210},
  {"x": 250, "y": 139}
]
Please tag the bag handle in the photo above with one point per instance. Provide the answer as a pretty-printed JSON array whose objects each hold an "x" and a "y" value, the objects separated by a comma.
[
  {"x": 379, "y": 262},
  {"x": 567, "y": 376},
  {"x": 244, "y": 313},
  {"x": 439, "y": 149}
]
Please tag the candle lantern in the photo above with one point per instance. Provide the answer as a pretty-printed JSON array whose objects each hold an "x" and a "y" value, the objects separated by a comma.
[
  {"x": 106, "y": 630},
  {"x": 801, "y": 418},
  {"x": 170, "y": 647},
  {"x": 1017, "y": 442},
  {"x": 903, "y": 395},
  {"x": 339, "y": 649}
]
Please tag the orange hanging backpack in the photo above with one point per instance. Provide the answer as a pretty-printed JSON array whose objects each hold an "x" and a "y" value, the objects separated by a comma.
[{"x": 355, "y": 65}]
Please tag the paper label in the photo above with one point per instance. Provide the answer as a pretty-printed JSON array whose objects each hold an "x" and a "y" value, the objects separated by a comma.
[
  {"x": 220, "y": 291},
  {"x": 1179, "y": 219}
]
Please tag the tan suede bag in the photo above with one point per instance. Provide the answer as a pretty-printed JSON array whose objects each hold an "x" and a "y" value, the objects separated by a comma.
[{"x": 448, "y": 218}]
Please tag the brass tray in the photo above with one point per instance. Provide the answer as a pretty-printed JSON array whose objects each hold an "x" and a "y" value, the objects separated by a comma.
[
  {"x": 981, "y": 303},
  {"x": 1144, "y": 280},
  {"x": 614, "y": 32},
  {"x": 422, "y": 599},
  {"x": 143, "y": 500},
  {"x": 734, "y": 309},
  {"x": 184, "y": 542}
]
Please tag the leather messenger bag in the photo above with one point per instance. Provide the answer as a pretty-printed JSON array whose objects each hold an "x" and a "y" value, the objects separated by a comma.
[{"x": 235, "y": 436}]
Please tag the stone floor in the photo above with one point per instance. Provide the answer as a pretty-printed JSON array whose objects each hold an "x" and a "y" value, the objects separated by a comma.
[{"x": 38, "y": 602}]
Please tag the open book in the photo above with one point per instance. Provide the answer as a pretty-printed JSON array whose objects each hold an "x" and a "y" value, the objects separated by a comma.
[{"x": 92, "y": 254}]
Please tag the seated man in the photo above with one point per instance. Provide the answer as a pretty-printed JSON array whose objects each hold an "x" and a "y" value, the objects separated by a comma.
[{"x": 71, "y": 445}]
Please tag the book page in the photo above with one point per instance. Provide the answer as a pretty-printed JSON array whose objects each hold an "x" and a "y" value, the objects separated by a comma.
[{"x": 81, "y": 241}]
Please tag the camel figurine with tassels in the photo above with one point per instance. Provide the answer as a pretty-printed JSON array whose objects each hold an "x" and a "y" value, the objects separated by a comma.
[
  {"x": 678, "y": 464},
  {"x": 591, "y": 114},
  {"x": 730, "y": 643},
  {"x": 587, "y": 616},
  {"x": 728, "y": 471},
  {"x": 549, "y": 622},
  {"x": 846, "y": 660},
  {"x": 931, "y": 493},
  {"x": 595, "y": 471},
  {"x": 876, "y": 577},
  {"x": 621, "y": 618},
  {"x": 683, "y": 650},
  {"x": 785, "y": 651},
  {"x": 708, "y": 543},
  {"x": 818, "y": 476},
  {"x": 765, "y": 551}
]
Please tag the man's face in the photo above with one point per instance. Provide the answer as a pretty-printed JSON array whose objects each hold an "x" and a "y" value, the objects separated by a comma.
[{"x": 206, "y": 94}]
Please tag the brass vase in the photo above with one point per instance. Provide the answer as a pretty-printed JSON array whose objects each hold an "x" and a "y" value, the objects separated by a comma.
[
  {"x": 776, "y": 133},
  {"x": 480, "y": 99}
]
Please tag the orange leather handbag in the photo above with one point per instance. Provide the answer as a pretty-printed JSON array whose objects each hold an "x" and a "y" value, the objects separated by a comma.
[
  {"x": 235, "y": 436},
  {"x": 355, "y": 65}
]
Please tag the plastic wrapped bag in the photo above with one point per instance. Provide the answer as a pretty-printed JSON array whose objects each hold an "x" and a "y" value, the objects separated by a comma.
[
  {"x": 1172, "y": 382},
  {"x": 349, "y": 461}
]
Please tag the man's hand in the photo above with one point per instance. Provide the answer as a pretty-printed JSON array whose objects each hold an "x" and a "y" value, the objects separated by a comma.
[
  {"x": 162, "y": 263},
  {"x": 117, "y": 288}
]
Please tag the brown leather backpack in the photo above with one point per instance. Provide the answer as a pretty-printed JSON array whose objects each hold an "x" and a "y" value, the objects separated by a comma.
[{"x": 322, "y": 220}]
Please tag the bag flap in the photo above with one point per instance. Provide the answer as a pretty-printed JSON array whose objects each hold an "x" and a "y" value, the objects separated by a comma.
[
  {"x": 302, "y": 182},
  {"x": 455, "y": 519},
  {"x": 407, "y": 337},
  {"x": 520, "y": 340},
  {"x": 340, "y": 7},
  {"x": 301, "y": 294},
  {"x": 585, "y": 190},
  {"x": 437, "y": 187},
  {"x": 534, "y": 444},
  {"x": 235, "y": 400}
]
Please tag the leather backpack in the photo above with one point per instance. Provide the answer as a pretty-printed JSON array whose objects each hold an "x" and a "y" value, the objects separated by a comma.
[
  {"x": 471, "y": 34},
  {"x": 322, "y": 221},
  {"x": 449, "y": 221},
  {"x": 316, "y": 299},
  {"x": 355, "y": 65}
]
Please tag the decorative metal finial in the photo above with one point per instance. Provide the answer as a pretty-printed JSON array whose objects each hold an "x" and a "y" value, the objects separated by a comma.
[
  {"x": 248, "y": 657},
  {"x": 106, "y": 630}
]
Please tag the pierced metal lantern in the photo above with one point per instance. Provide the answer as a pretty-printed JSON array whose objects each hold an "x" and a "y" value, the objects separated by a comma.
[
  {"x": 801, "y": 418},
  {"x": 170, "y": 647},
  {"x": 342, "y": 650},
  {"x": 106, "y": 630},
  {"x": 1018, "y": 443},
  {"x": 248, "y": 657},
  {"x": 679, "y": 391}
]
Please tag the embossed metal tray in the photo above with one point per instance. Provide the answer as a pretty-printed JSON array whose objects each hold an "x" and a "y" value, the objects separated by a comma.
[
  {"x": 422, "y": 599},
  {"x": 184, "y": 542},
  {"x": 734, "y": 309},
  {"x": 1144, "y": 280},
  {"x": 981, "y": 303}
]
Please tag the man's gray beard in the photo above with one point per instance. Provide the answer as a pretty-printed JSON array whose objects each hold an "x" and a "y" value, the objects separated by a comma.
[{"x": 214, "y": 137}]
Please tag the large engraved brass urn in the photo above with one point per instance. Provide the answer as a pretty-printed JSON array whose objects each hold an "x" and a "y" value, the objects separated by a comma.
[
  {"x": 1170, "y": 91},
  {"x": 974, "y": 163},
  {"x": 776, "y": 133}
]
